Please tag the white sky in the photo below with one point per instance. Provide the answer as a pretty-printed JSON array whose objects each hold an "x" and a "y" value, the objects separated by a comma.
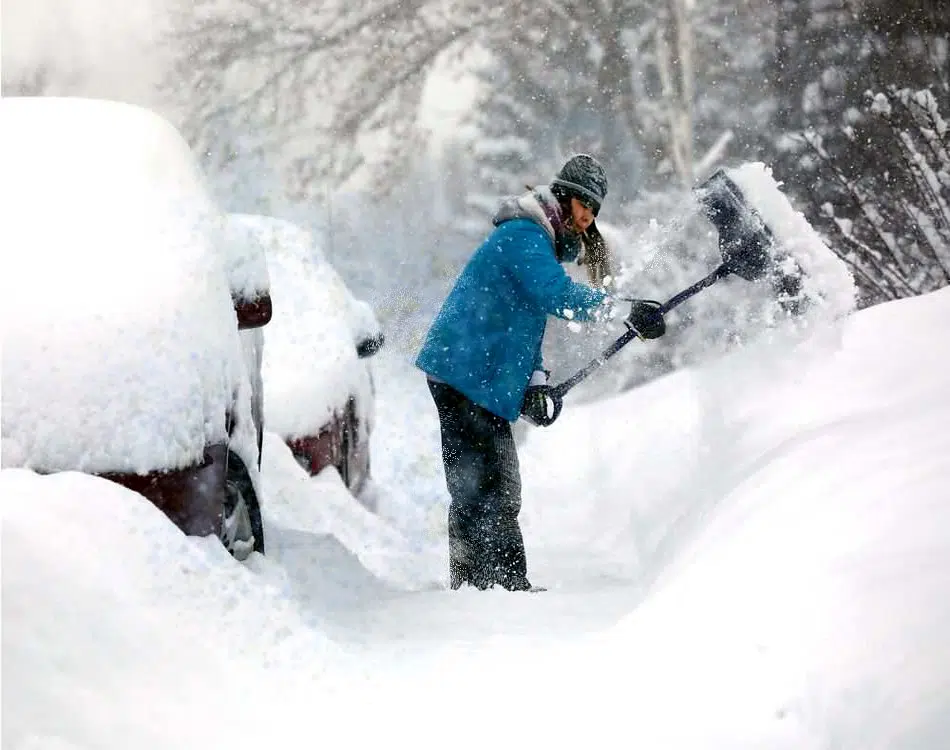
[
  {"x": 106, "y": 48},
  {"x": 113, "y": 49}
]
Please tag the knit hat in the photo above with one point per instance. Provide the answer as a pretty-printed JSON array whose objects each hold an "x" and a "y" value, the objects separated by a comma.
[{"x": 583, "y": 178}]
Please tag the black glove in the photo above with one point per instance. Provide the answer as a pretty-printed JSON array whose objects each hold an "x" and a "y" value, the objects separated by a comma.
[
  {"x": 541, "y": 405},
  {"x": 646, "y": 318}
]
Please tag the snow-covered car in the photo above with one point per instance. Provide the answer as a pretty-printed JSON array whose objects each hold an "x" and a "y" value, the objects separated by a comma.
[
  {"x": 319, "y": 392},
  {"x": 122, "y": 356},
  {"x": 246, "y": 267}
]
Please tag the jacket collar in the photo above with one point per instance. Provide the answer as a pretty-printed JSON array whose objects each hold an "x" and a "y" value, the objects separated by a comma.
[{"x": 539, "y": 205}]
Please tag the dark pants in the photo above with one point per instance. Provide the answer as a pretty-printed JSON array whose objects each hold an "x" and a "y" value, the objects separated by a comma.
[{"x": 481, "y": 471}]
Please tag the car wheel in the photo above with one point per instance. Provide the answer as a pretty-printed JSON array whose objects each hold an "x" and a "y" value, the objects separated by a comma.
[{"x": 242, "y": 530}]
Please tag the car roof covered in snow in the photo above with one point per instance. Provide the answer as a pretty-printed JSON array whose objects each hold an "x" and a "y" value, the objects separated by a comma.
[
  {"x": 121, "y": 350},
  {"x": 280, "y": 237},
  {"x": 310, "y": 363}
]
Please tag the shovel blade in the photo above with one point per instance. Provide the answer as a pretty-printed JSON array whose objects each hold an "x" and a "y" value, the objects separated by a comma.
[{"x": 745, "y": 241}]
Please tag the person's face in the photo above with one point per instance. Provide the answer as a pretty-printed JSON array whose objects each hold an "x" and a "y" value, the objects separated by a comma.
[{"x": 581, "y": 215}]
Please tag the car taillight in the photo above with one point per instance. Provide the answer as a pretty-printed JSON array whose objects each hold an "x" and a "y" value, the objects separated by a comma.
[{"x": 253, "y": 313}]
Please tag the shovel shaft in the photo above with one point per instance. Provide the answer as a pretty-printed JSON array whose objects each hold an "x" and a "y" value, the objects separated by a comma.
[
  {"x": 745, "y": 243},
  {"x": 676, "y": 299},
  {"x": 631, "y": 334},
  {"x": 595, "y": 364}
]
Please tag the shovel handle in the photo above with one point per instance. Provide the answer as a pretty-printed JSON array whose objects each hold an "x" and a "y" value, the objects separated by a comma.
[
  {"x": 595, "y": 364},
  {"x": 631, "y": 334},
  {"x": 676, "y": 299}
]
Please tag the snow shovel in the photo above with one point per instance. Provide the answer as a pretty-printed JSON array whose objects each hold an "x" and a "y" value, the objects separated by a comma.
[{"x": 745, "y": 244}]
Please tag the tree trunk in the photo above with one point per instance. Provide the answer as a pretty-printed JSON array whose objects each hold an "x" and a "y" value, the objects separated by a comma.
[{"x": 674, "y": 45}]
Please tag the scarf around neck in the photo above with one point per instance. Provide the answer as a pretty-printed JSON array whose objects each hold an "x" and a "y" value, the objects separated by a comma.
[{"x": 540, "y": 206}]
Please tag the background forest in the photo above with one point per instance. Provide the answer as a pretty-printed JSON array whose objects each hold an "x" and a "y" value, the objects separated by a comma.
[{"x": 393, "y": 128}]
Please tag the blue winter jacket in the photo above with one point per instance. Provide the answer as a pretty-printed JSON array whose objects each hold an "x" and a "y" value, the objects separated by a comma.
[{"x": 486, "y": 340}]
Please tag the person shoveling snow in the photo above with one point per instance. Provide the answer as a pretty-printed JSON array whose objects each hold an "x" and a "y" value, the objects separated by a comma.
[
  {"x": 482, "y": 358},
  {"x": 482, "y": 354}
]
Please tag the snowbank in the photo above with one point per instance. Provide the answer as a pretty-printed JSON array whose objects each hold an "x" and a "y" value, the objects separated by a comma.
[
  {"x": 119, "y": 631},
  {"x": 745, "y": 555},
  {"x": 787, "y": 524},
  {"x": 121, "y": 351},
  {"x": 322, "y": 506}
]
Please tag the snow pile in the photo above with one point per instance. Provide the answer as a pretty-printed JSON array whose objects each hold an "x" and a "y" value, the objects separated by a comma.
[
  {"x": 121, "y": 351},
  {"x": 627, "y": 483},
  {"x": 745, "y": 555},
  {"x": 310, "y": 364},
  {"x": 322, "y": 507},
  {"x": 119, "y": 631},
  {"x": 787, "y": 524},
  {"x": 820, "y": 575},
  {"x": 826, "y": 281}
]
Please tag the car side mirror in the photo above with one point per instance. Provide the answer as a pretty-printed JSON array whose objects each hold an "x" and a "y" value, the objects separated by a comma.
[
  {"x": 253, "y": 313},
  {"x": 369, "y": 346}
]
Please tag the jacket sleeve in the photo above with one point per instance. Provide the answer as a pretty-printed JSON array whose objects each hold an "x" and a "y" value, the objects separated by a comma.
[{"x": 529, "y": 258}]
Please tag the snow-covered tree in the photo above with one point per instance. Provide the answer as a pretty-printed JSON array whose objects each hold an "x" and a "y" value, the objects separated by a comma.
[
  {"x": 337, "y": 86},
  {"x": 885, "y": 202},
  {"x": 694, "y": 76},
  {"x": 829, "y": 52},
  {"x": 848, "y": 164}
]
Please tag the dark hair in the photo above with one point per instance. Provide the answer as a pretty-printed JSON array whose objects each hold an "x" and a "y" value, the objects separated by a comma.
[
  {"x": 563, "y": 198},
  {"x": 596, "y": 256}
]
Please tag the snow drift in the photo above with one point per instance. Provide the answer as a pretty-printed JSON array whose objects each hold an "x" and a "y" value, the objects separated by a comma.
[{"x": 749, "y": 554}]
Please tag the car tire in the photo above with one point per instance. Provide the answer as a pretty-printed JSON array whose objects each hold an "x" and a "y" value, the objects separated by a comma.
[{"x": 242, "y": 529}]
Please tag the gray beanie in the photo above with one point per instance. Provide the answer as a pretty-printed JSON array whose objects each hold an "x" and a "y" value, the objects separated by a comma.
[{"x": 584, "y": 177}]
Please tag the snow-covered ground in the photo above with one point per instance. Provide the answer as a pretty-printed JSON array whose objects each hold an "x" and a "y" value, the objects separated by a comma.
[{"x": 755, "y": 554}]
